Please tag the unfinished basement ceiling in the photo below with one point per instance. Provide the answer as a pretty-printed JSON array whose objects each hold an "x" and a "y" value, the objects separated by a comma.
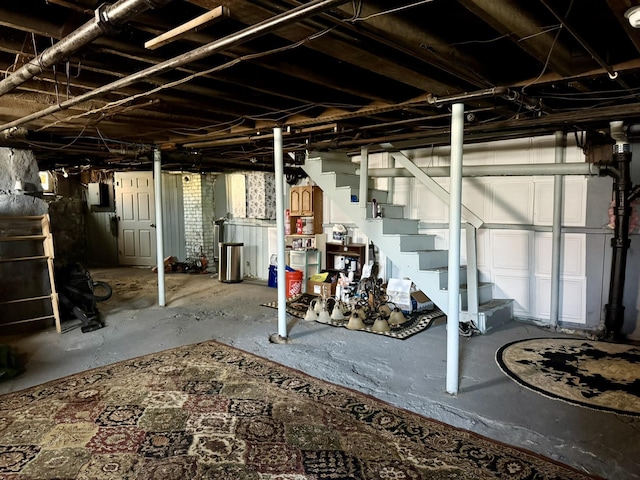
[{"x": 355, "y": 74}]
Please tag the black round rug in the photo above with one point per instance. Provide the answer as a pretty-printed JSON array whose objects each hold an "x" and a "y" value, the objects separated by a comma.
[{"x": 597, "y": 375}]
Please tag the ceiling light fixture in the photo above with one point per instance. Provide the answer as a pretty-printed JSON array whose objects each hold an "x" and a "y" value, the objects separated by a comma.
[{"x": 633, "y": 15}]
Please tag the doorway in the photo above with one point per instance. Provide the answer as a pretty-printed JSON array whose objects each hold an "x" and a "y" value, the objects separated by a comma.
[{"x": 135, "y": 209}]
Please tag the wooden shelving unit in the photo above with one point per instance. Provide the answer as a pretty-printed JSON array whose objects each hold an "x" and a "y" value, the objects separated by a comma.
[
  {"x": 352, "y": 252},
  {"x": 34, "y": 233}
]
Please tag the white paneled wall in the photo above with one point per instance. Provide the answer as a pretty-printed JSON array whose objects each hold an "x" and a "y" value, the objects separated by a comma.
[
  {"x": 257, "y": 237},
  {"x": 510, "y": 263}
]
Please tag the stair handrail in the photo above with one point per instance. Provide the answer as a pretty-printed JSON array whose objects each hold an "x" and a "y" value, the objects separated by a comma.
[{"x": 429, "y": 182}]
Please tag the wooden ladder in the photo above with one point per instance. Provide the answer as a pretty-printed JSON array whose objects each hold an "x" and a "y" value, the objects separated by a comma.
[{"x": 12, "y": 229}]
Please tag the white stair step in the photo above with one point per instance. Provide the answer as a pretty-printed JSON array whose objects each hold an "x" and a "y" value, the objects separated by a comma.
[
  {"x": 413, "y": 243},
  {"x": 442, "y": 274},
  {"x": 485, "y": 294},
  {"x": 328, "y": 155},
  {"x": 388, "y": 210},
  {"x": 393, "y": 225},
  {"x": 432, "y": 259},
  {"x": 334, "y": 162},
  {"x": 491, "y": 314},
  {"x": 379, "y": 195},
  {"x": 346, "y": 180}
]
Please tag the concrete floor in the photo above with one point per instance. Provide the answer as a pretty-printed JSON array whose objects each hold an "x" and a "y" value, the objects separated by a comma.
[{"x": 407, "y": 373}]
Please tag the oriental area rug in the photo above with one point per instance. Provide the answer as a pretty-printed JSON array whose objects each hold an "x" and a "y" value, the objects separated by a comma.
[
  {"x": 597, "y": 375},
  {"x": 209, "y": 411},
  {"x": 416, "y": 322}
]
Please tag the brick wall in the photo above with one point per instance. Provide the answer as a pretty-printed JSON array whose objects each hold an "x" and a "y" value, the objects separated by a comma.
[{"x": 197, "y": 191}]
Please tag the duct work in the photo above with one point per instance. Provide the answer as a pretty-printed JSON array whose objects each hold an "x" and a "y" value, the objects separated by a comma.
[
  {"x": 622, "y": 190},
  {"x": 106, "y": 17}
]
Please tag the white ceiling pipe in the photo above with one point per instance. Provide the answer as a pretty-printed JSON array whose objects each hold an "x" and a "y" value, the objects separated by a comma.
[
  {"x": 249, "y": 33},
  {"x": 513, "y": 170},
  {"x": 106, "y": 17}
]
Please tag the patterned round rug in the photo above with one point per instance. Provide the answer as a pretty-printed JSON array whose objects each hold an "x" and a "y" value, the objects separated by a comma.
[{"x": 597, "y": 375}]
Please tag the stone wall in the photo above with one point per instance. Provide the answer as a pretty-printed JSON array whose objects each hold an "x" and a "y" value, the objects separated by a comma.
[
  {"x": 20, "y": 166},
  {"x": 20, "y": 193}
]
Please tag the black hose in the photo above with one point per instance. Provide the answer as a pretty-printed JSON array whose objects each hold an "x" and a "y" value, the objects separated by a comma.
[{"x": 101, "y": 287}]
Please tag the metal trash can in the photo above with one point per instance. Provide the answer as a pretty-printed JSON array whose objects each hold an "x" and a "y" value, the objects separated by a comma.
[{"x": 230, "y": 269}]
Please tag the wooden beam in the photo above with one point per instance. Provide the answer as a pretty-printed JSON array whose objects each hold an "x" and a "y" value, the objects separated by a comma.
[{"x": 192, "y": 25}]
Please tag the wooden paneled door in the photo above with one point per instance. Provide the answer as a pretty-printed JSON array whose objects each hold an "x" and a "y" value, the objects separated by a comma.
[{"x": 135, "y": 209}]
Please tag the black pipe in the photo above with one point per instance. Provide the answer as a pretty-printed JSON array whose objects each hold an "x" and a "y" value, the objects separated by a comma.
[{"x": 620, "y": 243}]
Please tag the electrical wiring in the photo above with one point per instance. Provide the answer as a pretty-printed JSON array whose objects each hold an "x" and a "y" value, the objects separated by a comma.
[
  {"x": 553, "y": 44},
  {"x": 62, "y": 147},
  {"x": 386, "y": 12},
  {"x": 221, "y": 126},
  {"x": 586, "y": 99},
  {"x": 188, "y": 78},
  {"x": 546, "y": 62},
  {"x": 546, "y": 29}
]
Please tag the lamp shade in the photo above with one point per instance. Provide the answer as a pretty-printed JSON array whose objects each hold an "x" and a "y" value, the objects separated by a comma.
[
  {"x": 324, "y": 316},
  {"x": 380, "y": 325},
  {"x": 311, "y": 314},
  {"x": 336, "y": 313},
  {"x": 396, "y": 317},
  {"x": 355, "y": 322}
]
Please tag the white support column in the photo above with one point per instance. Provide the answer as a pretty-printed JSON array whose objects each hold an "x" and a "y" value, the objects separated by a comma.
[
  {"x": 280, "y": 204},
  {"x": 471, "y": 238},
  {"x": 556, "y": 232},
  {"x": 363, "y": 191},
  {"x": 455, "y": 214},
  {"x": 157, "y": 187}
]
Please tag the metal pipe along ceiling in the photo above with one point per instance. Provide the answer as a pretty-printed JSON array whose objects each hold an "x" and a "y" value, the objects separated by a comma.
[
  {"x": 499, "y": 170},
  {"x": 249, "y": 33},
  {"x": 106, "y": 17}
]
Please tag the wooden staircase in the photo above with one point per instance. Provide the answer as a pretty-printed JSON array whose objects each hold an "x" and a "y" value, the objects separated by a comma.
[{"x": 399, "y": 239}]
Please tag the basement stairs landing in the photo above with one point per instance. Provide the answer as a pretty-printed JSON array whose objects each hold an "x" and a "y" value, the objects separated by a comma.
[{"x": 413, "y": 253}]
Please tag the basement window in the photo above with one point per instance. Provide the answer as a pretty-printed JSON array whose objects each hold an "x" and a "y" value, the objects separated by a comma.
[{"x": 45, "y": 182}]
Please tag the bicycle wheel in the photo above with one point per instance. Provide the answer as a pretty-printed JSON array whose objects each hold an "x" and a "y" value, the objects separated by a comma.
[{"x": 101, "y": 291}]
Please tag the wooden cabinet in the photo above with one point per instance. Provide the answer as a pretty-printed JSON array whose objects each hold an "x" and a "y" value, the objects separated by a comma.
[
  {"x": 306, "y": 201},
  {"x": 345, "y": 258},
  {"x": 295, "y": 202}
]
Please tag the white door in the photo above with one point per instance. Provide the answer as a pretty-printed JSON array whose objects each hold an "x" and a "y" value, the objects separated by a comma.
[{"x": 136, "y": 218}]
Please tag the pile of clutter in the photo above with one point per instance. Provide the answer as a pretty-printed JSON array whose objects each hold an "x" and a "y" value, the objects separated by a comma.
[{"x": 190, "y": 265}]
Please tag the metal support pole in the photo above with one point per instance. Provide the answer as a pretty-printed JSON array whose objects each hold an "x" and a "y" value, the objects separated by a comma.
[
  {"x": 556, "y": 233},
  {"x": 363, "y": 192},
  {"x": 157, "y": 186},
  {"x": 279, "y": 173},
  {"x": 455, "y": 214}
]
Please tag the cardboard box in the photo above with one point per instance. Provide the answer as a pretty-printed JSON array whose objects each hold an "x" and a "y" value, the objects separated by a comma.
[
  {"x": 323, "y": 289},
  {"x": 400, "y": 293},
  {"x": 420, "y": 302}
]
